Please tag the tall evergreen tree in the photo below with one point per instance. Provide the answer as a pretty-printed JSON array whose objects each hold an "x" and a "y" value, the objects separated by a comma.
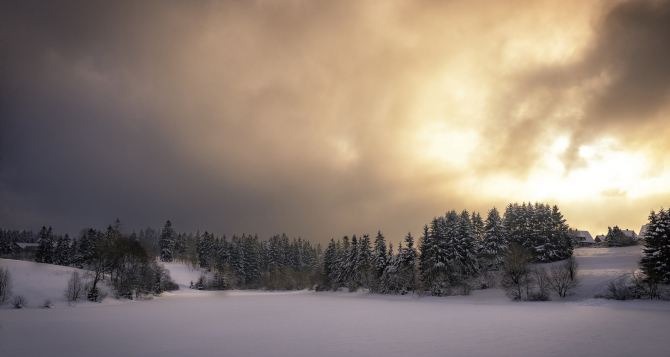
[
  {"x": 365, "y": 262},
  {"x": 407, "y": 265},
  {"x": 494, "y": 245},
  {"x": 655, "y": 261},
  {"x": 45, "y": 248},
  {"x": 167, "y": 242}
]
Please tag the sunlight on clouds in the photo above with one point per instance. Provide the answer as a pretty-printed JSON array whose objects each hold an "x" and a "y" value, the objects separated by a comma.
[
  {"x": 605, "y": 170},
  {"x": 448, "y": 145}
]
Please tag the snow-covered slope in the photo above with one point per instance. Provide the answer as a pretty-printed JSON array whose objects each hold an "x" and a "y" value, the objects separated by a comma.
[
  {"x": 182, "y": 274},
  {"x": 38, "y": 282},
  {"x": 599, "y": 266}
]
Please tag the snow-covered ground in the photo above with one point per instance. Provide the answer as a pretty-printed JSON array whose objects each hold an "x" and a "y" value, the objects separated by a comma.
[
  {"x": 251, "y": 323},
  {"x": 38, "y": 282}
]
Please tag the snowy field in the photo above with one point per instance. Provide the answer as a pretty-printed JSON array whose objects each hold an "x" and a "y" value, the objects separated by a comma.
[{"x": 248, "y": 323}]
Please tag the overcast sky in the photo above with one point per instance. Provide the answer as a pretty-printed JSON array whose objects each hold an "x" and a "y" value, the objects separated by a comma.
[{"x": 326, "y": 118}]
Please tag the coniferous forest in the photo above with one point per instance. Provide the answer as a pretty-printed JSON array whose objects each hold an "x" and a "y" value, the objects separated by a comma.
[
  {"x": 455, "y": 253},
  {"x": 451, "y": 254}
]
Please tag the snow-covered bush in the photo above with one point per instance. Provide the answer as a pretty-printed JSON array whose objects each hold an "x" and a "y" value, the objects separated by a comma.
[
  {"x": 5, "y": 285},
  {"x": 47, "y": 304},
  {"x": 626, "y": 287},
  {"x": 19, "y": 302}
]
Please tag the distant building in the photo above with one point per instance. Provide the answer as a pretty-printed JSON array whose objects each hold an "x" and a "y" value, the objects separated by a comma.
[
  {"x": 630, "y": 234},
  {"x": 23, "y": 250},
  {"x": 582, "y": 238},
  {"x": 600, "y": 238}
]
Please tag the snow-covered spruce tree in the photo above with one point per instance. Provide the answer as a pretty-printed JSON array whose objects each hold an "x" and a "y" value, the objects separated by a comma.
[
  {"x": 539, "y": 229},
  {"x": 205, "y": 249},
  {"x": 478, "y": 227},
  {"x": 407, "y": 265},
  {"x": 655, "y": 263},
  {"x": 437, "y": 281},
  {"x": 466, "y": 248},
  {"x": 379, "y": 260},
  {"x": 494, "y": 244},
  {"x": 425, "y": 258},
  {"x": 365, "y": 262},
  {"x": 45, "y": 248},
  {"x": 342, "y": 265},
  {"x": 167, "y": 242},
  {"x": 329, "y": 262},
  {"x": 352, "y": 280},
  {"x": 63, "y": 251}
]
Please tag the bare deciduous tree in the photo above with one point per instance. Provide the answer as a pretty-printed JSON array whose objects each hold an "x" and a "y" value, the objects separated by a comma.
[
  {"x": 5, "y": 285},
  {"x": 75, "y": 288},
  {"x": 563, "y": 277},
  {"x": 516, "y": 271}
]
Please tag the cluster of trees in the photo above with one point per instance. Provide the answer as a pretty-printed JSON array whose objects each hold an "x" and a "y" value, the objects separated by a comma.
[
  {"x": 455, "y": 250},
  {"x": 535, "y": 283},
  {"x": 617, "y": 238},
  {"x": 244, "y": 261},
  {"x": 354, "y": 263},
  {"x": 539, "y": 228},
  {"x": 109, "y": 255}
]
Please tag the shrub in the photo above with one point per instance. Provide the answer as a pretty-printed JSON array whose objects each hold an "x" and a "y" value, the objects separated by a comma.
[
  {"x": 19, "y": 302},
  {"x": 47, "y": 304},
  {"x": 625, "y": 287}
]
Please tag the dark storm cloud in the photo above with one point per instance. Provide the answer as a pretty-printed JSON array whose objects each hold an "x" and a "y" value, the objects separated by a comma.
[
  {"x": 296, "y": 116},
  {"x": 624, "y": 77}
]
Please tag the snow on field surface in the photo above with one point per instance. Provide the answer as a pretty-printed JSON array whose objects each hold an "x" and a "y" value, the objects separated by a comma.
[{"x": 253, "y": 323}]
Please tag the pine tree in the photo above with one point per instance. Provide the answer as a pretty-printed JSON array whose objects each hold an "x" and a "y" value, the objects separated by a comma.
[
  {"x": 45, "y": 249},
  {"x": 478, "y": 228},
  {"x": 63, "y": 251},
  {"x": 352, "y": 279},
  {"x": 365, "y": 262},
  {"x": 467, "y": 250},
  {"x": 380, "y": 259},
  {"x": 494, "y": 245},
  {"x": 329, "y": 265},
  {"x": 655, "y": 262},
  {"x": 407, "y": 265},
  {"x": 426, "y": 258},
  {"x": 167, "y": 242}
]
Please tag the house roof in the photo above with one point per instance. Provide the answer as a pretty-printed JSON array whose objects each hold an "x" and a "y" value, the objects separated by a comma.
[
  {"x": 629, "y": 233},
  {"x": 584, "y": 236},
  {"x": 27, "y": 245}
]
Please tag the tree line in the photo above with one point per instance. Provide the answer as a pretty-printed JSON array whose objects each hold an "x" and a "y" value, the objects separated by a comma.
[{"x": 455, "y": 253}]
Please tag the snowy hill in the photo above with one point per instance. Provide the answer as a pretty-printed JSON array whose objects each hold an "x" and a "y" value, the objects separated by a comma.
[
  {"x": 599, "y": 266},
  {"x": 38, "y": 282}
]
